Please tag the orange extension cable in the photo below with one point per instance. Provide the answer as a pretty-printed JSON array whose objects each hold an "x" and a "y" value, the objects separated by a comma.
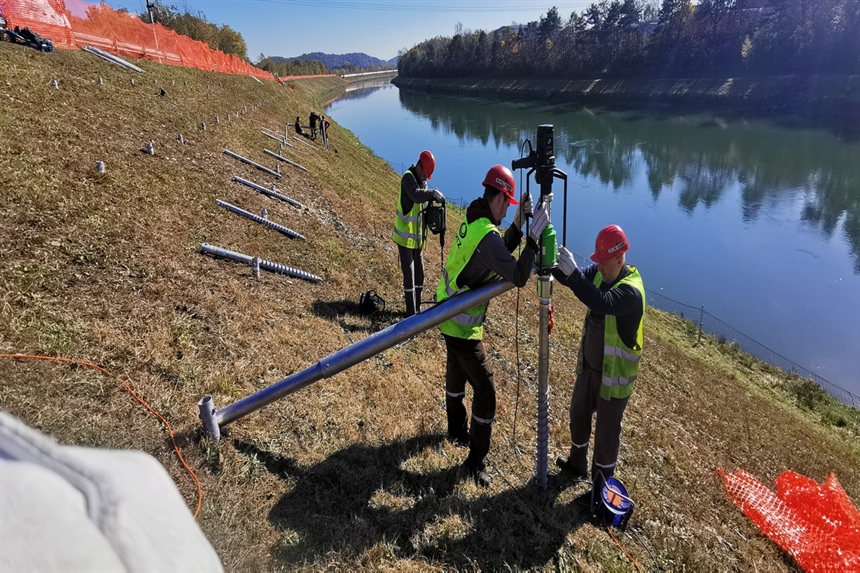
[
  {"x": 618, "y": 543},
  {"x": 136, "y": 397}
]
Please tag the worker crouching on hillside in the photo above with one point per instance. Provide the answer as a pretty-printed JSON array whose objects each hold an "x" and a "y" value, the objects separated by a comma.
[
  {"x": 479, "y": 254},
  {"x": 409, "y": 231},
  {"x": 609, "y": 354}
]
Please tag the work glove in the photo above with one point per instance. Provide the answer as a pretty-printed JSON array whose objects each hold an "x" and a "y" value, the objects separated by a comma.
[
  {"x": 539, "y": 222},
  {"x": 438, "y": 196},
  {"x": 566, "y": 262},
  {"x": 524, "y": 210}
]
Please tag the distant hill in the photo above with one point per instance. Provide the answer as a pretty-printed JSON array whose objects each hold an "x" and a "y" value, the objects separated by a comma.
[{"x": 332, "y": 61}]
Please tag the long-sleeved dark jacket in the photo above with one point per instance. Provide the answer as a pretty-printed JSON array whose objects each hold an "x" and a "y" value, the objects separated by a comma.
[
  {"x": 412, "y": 190},
  {"x": 494, "y": 253},
  {"x": 624, "y": 302}
]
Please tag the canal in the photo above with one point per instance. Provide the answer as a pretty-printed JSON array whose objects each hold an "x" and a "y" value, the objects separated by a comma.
[{"x": 752, "y": 224}]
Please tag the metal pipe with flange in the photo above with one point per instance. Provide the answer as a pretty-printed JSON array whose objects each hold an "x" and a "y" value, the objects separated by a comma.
[
  {"x": 279, "y": 139},
  {"x": 263, "y": 221},
  {"x": 305, "y": 142},
  {"x": 357, "y": 352},
  {"x": 112, "y": 58},
  {"x": 264, "y": 264},
  {"x": 252, "y": 163},
  {"x": 280, "y": 157},
  {"x": 269, "y": 192},
  {"x": 544, "y": 285}
]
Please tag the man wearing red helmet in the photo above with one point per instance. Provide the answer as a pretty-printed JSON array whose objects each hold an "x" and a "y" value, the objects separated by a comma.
[
  {"x": 479, "y": 254},
  {"x": 609, "y": 354},
  {"x": 409, "y": 231}
]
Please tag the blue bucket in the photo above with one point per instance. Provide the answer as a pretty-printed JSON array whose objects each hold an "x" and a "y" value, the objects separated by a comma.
[{"x": 615, "y": 507}]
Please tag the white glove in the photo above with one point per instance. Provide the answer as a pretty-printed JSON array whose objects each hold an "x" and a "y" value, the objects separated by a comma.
[
  {"x": 524, "y": 210},
  {"x": 437, "y": 196},
  {"x": 566, "y": 262},
  {"x": 539, "y": 222}
]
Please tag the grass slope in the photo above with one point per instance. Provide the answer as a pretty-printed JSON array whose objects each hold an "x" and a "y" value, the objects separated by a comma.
[{"x": 350, "y": 472}]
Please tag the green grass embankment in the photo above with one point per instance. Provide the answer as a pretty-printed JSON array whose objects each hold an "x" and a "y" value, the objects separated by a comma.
[{"x": 351, "y": 472}]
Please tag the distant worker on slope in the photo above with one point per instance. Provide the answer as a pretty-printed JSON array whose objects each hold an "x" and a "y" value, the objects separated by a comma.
[
  {"x": 609, "y": 354},
  {"x": 479, "y": 254},
  {"x": 409, "y": 231},
  {"x": 312, "y": 121},
  {"x": 298, "y": 126}
]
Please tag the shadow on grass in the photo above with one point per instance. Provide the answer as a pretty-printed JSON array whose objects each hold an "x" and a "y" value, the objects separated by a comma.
[
  {"x": 348, "y": 314},
  {"x": 364, "y": 497}
]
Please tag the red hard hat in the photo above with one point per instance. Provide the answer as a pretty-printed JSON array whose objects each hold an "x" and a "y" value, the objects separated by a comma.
[
  {"x": 611, "y": 242},
  {"x": 500, "y": 177},
  {"x": 428, "y": 163}
]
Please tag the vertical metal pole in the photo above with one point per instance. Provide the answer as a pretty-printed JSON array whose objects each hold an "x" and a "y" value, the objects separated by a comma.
[
  {"x": 211, "y": 430},
  {"x": 701, "y": 324},
  {"x": 541, "y": 162},
  {"x": 542, "y": 447}
]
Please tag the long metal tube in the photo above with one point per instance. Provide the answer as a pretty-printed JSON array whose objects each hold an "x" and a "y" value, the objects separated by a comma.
[
  {"x": 271, "y": 224},
  {"x": 305, "y": 142},
  {"x": 280, "y": 157},
  {"x": 276, "y": 135},
  {"x": 279, "y": 139},
  {"x": 264, "y": 264},
  {"x": 112, "y": 58},
  {"x": 355, "y": 353},
  {"x": 269, "y": 192},
  {"x": 253, "y": 163}
]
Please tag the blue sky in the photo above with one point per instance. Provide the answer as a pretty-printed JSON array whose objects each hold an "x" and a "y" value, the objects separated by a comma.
[{"x": 378, "y": 28}]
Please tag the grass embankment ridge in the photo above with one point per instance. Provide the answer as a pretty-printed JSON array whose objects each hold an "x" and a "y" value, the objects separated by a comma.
[{"x": 350, "y": 472}]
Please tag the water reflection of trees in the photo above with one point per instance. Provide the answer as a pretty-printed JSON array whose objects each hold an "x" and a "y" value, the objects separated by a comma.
[
  {"x": 703, "y": 159},
  {"x": 365, "y": 89}
]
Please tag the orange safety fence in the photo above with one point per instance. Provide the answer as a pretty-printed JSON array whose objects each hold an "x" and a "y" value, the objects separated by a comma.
[
  {"x": 816, "y": 523},
  {"x": 74, "y": 24}
]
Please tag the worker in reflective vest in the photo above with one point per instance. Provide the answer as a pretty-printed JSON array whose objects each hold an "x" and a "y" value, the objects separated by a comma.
[
  {"x": 609, "y": 354},
  {"x": 478, "y": 254},
  {"x": 409, "y": 230}
]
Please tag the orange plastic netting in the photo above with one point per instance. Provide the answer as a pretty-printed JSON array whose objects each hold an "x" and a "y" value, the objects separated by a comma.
[
  {"x": 816, "y": 523},
  {"x": 76, "y": 23}
]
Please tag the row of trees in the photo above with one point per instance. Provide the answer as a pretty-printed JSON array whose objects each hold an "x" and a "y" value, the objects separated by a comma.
[
  {"x": 627, "y": 38},
  {"x": 319, "y": 63},
  {"x": 222, "y": 38},
  {"x": 281, "y": 68}
]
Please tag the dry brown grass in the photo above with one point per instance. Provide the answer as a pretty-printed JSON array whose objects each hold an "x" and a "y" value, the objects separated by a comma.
[{"x": 351, "y": 472}]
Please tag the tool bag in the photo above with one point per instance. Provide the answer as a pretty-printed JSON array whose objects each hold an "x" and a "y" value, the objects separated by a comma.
[{"x": 370, "y": 303}]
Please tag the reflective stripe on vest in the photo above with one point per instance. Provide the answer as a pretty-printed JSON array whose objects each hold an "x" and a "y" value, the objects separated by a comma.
[
  {"x": 469, "y": 324},
  {"x": 620, "y": 362},
  {"x": 462, "y": 318},
  {"x": 409, "y": 227}
]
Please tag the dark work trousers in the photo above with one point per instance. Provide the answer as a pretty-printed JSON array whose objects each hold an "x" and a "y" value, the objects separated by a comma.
[
  {"x": 467, "y": 362},
  {"x": 412, "y": 266},
  {"x": 584, "y": 403}
]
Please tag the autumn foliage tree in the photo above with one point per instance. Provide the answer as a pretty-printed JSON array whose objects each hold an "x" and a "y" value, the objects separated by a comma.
[{"x": 222, "y": 38}]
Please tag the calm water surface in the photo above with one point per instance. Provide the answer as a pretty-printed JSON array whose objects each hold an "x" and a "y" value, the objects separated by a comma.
[{"x": 759, "y": 224}]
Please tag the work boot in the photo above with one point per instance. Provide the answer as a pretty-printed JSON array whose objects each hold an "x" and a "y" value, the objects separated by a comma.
[
  {"x": 458, "y": 429},
  {"x": 478, "y": 472},
  {"x": 565, "y": 465},
  {"x": 409, "y": 298},
  {"x": 479, "y": 441},
  {"x": 460, "y": 440},
  {"x": 419, "y": 290}
]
